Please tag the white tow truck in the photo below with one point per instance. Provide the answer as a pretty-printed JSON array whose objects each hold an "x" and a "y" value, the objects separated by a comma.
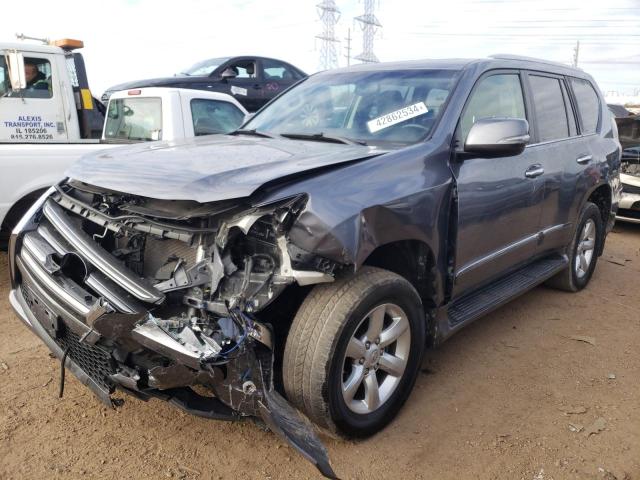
[{"x": 49, "y": 119}]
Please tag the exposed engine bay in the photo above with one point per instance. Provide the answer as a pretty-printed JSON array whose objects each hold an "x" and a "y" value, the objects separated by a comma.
[
  {"x": 631, "y": 166},
  {"x": 168, "y": 297}
]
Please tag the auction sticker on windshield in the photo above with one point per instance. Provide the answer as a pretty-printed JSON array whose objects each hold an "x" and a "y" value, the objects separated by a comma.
[{"x": 393, "y": 118}]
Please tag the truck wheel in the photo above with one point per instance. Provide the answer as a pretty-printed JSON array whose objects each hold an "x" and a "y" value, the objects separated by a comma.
[
  {"x": 583, "y": 252},
  {"x": 354, "y": 350}
]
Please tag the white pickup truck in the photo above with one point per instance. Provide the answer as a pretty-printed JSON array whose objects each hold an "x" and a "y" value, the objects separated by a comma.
[{"x": 49, "y": 119}]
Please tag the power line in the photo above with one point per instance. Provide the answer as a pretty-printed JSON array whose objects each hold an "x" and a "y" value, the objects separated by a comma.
[{"x": 510, "y": 35}]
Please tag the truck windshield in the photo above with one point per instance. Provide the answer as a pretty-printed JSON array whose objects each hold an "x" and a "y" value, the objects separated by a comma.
[
  {"x": 375, "y": 107},
  {"x": 134, "y": 119},
  {"x": 204, "y": 68}
]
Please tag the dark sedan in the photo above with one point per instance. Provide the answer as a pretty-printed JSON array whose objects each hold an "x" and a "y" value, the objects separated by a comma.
[{"x": 253, "y": 81}]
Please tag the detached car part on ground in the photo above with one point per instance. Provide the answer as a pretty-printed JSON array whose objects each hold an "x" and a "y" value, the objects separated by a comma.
[{"x": 364, "y": 214}]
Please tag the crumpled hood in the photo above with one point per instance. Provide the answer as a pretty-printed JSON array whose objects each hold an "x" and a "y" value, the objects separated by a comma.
[{"x": 209, "y": 168}]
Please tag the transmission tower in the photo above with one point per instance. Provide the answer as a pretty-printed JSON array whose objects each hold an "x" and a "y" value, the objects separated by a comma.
[
  {"x": 370, "y": 25},
  {"x": 329, "y": 15}
]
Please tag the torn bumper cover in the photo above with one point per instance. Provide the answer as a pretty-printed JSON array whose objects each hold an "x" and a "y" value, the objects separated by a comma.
[{"x": 159, "y": 308}]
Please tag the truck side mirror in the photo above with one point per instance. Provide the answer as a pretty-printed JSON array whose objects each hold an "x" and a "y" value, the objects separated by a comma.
[
  {"x": 498, "y": 137},
  {"x": 15, "y": 64}
]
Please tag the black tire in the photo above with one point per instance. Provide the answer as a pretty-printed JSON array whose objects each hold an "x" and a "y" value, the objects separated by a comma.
[
  {"x": 14, "y": 215},
  {"x": 317, "y": 345},
  {"x": 568, "y": 279}
]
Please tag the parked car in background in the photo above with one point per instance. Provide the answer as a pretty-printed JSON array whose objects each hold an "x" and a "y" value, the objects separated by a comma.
[
  {"x": 629, "y": 133},
  {"x": 38, "y": 140},
  {"x": 619, "y": 110},
  {"x": 363, "y": 214},
  {"x": 253, "y": 81}
]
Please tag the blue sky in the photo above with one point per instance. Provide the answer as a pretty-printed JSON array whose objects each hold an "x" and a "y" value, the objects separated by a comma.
[{"x": 132, "y": 39}]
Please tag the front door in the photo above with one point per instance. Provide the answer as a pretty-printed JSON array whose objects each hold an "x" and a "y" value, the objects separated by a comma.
[
  {"x": 247, "y": 86},
  {"x": 35, "y": 114},
  {"x": 499, "y": 199}
]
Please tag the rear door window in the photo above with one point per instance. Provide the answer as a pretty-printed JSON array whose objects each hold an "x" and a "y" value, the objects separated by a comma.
[
  {"x": 134, "y": 119},
  {"x": 499, "y": 95},
  {"x": 588, "y": 104},
  {"x": 214, "y": 116},
  {"x": 552, "y": 121},
  {"x": 278, "y": 71}
]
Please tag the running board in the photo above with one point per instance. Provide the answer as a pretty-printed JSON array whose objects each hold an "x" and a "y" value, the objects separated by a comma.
[{"x": 479, "y": 303}]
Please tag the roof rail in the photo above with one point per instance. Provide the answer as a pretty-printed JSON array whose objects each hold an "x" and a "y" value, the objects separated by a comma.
[{"x": 506, "y": 56}]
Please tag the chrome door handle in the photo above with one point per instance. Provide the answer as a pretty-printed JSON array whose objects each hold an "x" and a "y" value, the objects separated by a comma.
[
  {"x": 534, "y": 171},
  {"x": 584, "y": 159}
]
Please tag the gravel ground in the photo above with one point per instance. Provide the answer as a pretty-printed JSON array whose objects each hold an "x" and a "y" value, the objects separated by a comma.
[{"x": 544, "y": 388}]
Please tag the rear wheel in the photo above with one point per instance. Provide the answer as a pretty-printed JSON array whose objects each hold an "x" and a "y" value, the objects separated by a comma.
[
  {"x": 354, "y": 350},
  {"x": 583, "y": 252}
]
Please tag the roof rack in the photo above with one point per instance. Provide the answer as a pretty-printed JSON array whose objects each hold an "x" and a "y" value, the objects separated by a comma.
[{"x": 506, "y": 56}]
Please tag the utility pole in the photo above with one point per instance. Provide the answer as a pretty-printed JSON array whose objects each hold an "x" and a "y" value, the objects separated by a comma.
[
  {"x": 576, "y": 52},
  {"x": 369, "y": 24},
  {"x": 329, "y": 15},
  {"x": 348, "y": 47}
]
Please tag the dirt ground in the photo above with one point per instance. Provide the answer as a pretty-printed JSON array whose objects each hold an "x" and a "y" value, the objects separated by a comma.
[{"x": 544, "y": 388}]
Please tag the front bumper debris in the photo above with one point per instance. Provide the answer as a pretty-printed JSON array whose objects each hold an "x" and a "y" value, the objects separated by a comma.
[
  {"x": 268, "y": 404},
  {"x": 116, "y": 330}
]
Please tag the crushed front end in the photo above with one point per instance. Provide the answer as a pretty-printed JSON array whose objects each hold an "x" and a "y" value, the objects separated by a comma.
[
  {"x": 629, "y": 208},
  {"x": 163, "y": 298}
]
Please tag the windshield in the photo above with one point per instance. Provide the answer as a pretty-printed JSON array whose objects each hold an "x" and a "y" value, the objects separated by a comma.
[
  {"x": 380, "y": 107},
  {"x": 134, "y": 119},
  {"x": 204, "y": 68}
]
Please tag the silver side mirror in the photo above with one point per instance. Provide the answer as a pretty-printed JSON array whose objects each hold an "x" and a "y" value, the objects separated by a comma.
[
  {"x": 498, "y": 137},
  {"x": 15, "y": 64}
]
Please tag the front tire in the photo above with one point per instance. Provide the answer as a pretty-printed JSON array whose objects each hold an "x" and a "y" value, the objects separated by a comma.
[
  {"x": 354, "y": 351},
  {"x": 583, "y": 251}
]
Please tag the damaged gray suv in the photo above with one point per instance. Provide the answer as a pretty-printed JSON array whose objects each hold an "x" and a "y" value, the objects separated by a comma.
[{"x": 303, "y": 263}]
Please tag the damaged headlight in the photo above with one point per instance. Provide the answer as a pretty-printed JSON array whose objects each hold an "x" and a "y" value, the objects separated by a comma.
[{"x": 20, "y": 227}]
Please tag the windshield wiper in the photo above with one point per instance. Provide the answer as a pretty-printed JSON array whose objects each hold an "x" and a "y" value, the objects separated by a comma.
[
  {"x": 321, "y": 137},
  {"x": 253, "y": 132}
]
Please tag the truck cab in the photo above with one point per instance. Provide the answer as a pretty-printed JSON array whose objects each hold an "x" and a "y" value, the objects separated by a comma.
[
  {"x": 49, "y": 119},
  {"x": 156, "y": 113},
  {"x": 44, "y": 95}
]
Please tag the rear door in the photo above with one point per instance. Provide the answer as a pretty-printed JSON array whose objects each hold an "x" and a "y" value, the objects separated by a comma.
[
  {"x": 499, "y": 204},
  {"x": 36, "y": 114},
  {"x": 277, "y": 76},
  {"x": 564, "y": 154}
]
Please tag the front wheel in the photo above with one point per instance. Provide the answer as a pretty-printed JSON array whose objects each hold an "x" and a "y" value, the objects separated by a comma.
[
  {"x": 354, "y": 350},
  {"x": 583, "y": 251}
]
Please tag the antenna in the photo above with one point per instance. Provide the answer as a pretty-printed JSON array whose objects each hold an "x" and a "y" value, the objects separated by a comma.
[
  {"x": 329, "y": 15},
  {"x": 22, "y": 36},
  {"x": 369, "y": 24}
]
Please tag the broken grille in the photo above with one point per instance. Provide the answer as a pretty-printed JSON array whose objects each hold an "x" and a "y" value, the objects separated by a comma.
[{"x": 93, "y": 360}]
